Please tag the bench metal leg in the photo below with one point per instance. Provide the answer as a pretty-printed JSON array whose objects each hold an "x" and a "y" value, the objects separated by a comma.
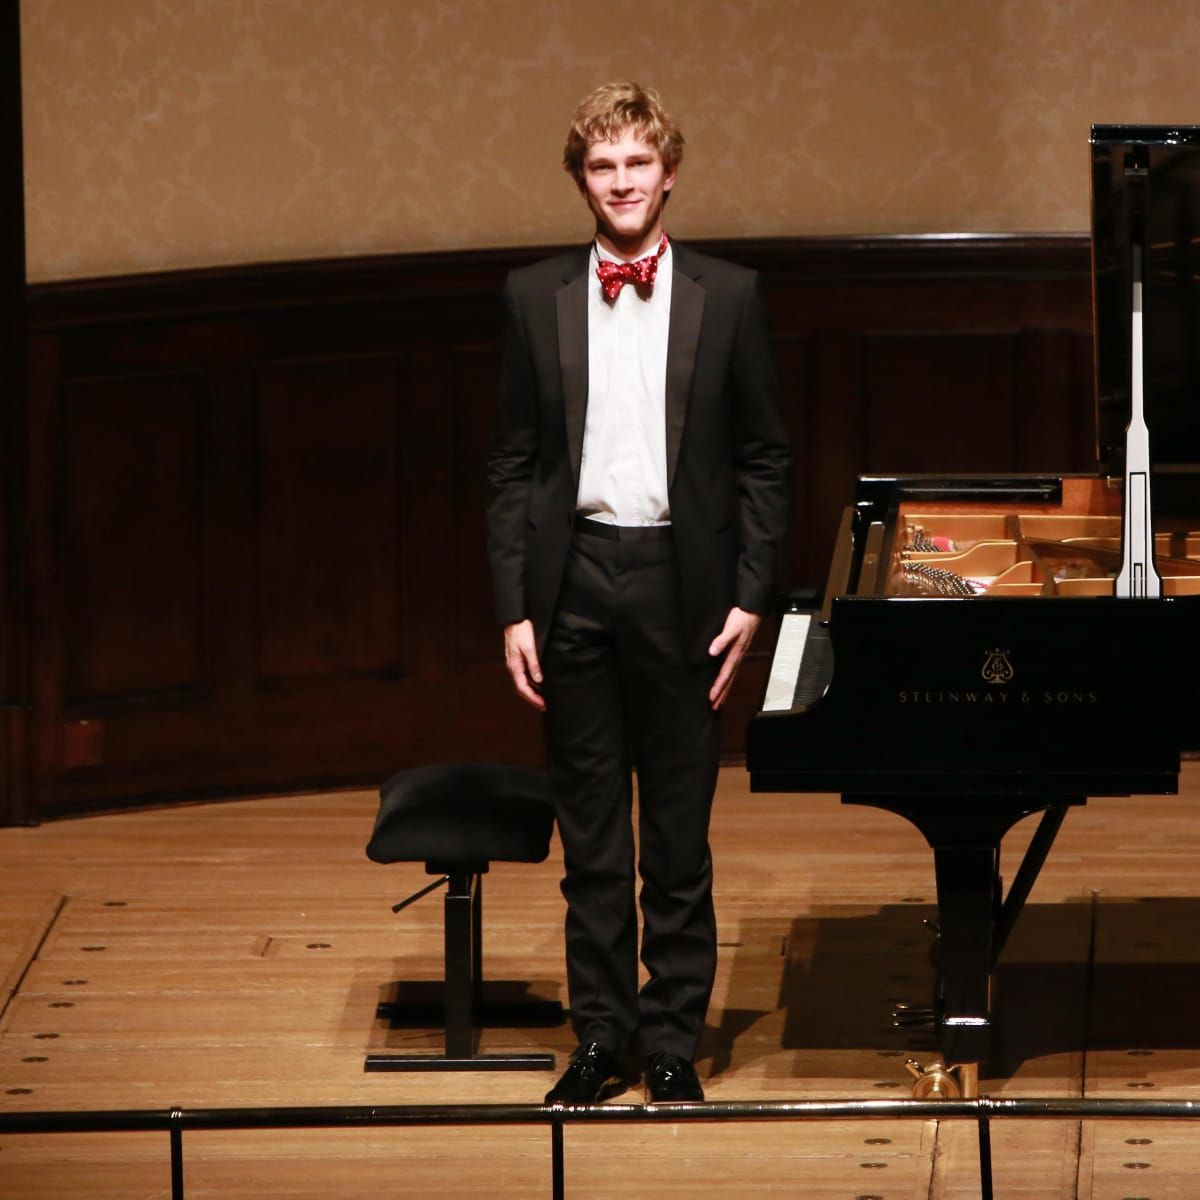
[{"x": 463, "y": 995}]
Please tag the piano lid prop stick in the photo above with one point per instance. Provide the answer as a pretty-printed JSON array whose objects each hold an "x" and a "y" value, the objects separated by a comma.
[{"x": 1137, "y": 576}]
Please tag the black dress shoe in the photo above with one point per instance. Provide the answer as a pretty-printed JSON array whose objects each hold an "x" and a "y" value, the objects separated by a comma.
[
  {"x": 670, "y": 1078},
  {"x": 594, "y": 1075}
]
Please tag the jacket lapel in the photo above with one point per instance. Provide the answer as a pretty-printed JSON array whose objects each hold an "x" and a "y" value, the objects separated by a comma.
[
  {"x": 571, "y": 300},
  {"x": 687, "y": 313}
]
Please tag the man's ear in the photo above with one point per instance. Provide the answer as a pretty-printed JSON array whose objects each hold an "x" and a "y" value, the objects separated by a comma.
[{"x": 669, "y": 179}]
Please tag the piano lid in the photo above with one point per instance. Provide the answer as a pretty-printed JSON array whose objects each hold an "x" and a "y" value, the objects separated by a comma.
[{"x": 1146, "y": 189}]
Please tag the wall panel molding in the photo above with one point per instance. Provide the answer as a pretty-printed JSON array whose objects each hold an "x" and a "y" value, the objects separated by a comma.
[
  {"x": 330, "y": 563},
  {"x": 133, "y": 559}
]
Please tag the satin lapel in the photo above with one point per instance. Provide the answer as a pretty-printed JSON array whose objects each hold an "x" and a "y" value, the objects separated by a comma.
[
  {"x": 687, "y": 312},
  {"x": 571, "y": 300}
]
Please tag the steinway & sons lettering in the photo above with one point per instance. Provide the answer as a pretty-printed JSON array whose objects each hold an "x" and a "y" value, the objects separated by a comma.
[{"x": 998, "y": 697}]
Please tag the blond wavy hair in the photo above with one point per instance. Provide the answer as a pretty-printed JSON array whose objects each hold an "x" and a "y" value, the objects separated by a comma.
[{"x": 607, "y": 112}]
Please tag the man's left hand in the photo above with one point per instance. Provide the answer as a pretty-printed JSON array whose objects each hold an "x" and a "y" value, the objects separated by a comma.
[{"x": 733, "y": 641}]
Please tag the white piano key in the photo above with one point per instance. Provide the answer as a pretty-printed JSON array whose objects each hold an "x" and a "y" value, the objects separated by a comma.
[{"x": 785, "y": 666}]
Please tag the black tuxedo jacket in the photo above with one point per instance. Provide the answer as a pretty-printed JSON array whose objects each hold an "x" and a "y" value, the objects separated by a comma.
[{"x": 727, "y": 447}]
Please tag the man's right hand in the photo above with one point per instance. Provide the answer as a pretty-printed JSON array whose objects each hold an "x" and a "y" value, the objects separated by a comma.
[{"x": 521, "y": 661}]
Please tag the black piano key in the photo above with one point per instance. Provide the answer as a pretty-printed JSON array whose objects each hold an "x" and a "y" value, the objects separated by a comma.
[{"x": 816, "y": 668}]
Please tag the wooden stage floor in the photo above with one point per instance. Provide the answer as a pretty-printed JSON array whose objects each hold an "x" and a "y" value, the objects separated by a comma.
[{"x": 233, "y": 955}]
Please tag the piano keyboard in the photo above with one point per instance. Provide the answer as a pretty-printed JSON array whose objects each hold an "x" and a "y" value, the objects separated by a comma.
[{"x": 802, "y": 666}]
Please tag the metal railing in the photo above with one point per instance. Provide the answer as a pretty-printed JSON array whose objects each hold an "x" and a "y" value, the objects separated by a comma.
[{"x": 983, "y": 1110}]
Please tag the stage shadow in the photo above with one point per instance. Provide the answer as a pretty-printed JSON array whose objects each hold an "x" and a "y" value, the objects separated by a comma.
[{"x": 1114, "y": 974}]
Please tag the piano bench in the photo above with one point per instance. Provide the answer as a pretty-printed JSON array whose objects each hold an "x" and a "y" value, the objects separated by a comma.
[{"x": 458, "y": 819}]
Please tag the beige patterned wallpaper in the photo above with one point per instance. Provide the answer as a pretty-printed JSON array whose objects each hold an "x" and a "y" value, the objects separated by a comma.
[{"x": 174, "y": 133}]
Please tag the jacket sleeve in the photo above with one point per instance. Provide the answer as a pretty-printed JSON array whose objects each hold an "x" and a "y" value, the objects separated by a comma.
[
  {"x": 762, "y": 457},
  {"x": 510, "y": 464}
]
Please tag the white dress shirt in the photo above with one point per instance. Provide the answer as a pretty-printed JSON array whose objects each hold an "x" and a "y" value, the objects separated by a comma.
[{"x": 623, "y": 471}]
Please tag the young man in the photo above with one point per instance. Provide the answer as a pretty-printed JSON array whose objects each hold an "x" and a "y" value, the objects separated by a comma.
[{"x": 638, "y": 478}]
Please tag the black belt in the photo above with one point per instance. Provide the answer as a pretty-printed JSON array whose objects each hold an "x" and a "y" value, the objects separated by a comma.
[{"x": 623, "y": 533}]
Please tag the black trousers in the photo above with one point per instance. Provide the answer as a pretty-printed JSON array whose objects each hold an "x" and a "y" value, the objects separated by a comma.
[{"x": 621, "y": 695}]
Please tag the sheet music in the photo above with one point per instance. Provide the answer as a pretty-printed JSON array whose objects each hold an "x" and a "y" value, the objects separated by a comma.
[{"x": 785, "y": 666}]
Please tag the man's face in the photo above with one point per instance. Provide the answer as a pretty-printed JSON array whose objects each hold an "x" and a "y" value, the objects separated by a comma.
[{"x": 625, "y": 184}]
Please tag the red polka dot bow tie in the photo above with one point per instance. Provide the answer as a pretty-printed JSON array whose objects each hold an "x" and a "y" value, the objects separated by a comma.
[{"x": 614, "y": 276}]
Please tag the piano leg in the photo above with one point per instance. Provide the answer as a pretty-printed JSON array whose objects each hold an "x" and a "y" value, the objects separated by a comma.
[
  {"x": 974, "y": 919},
  {"x": 967, "y": 884}
]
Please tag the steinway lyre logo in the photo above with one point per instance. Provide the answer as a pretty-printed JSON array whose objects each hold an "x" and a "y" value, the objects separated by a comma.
[{"x": 996, "y": 667}]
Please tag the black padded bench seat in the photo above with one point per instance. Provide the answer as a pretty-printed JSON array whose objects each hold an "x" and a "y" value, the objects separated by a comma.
[
  {"x": 460, "y": 814},
  {"x": 458, "y": 819}
]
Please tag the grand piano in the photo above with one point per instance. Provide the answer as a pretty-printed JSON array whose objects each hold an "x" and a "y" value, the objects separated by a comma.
[{"x": 990, "y": 648}]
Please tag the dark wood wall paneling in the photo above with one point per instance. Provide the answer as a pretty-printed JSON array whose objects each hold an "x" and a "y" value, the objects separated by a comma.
[
  {"x": 256, "y": 511},
  {"x": 16, "y": 798}
]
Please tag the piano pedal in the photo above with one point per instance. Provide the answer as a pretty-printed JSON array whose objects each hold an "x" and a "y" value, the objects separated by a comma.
[
  {"x": 937, "y": 1081},
  {"x": 913, "y": 1016}
]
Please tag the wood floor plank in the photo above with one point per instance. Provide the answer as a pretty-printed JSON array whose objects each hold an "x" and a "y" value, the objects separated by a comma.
[
  {"x": 1159, "y": 1159},
  {"x": 27, "y": 920}
]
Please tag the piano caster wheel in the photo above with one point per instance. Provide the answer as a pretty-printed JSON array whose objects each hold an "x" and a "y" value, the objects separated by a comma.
[{"x": 940, "y": 1082}]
